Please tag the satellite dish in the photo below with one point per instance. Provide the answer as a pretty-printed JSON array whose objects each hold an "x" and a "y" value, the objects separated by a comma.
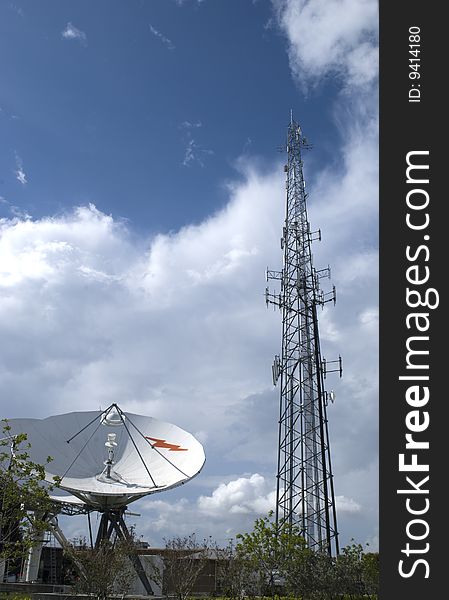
[
  {"x": 108, "y": 459},
  {"x": 112, "y": 417}
]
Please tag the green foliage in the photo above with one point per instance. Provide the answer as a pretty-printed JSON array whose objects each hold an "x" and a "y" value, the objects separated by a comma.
[
  {"x": 268, "y": 551},
  {"x": 370, "y": 562},
  {"x": 235, "y": 575},
  {"x": 309, "y": 574},
  {"x": 24, "y": 502},
  {"x": 277, "y": 561},
  {"x": 184, "y": 559},
  {"x": 104, "y": 570}
]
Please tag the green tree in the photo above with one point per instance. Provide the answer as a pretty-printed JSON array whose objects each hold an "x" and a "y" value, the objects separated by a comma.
[
  {"x": 279, "y": 561},
  {"x": 370, "y": 565},
  {"x": 357, "y": 572},
  {"x": 184, "y": 558},
  {"x": 24, "y": 500},
  {"x": 269, "y": 551},
  {"x": 235, "y": 577},
  {"x": 104, "y": 570},
  {"x": 311, "y": 575}
]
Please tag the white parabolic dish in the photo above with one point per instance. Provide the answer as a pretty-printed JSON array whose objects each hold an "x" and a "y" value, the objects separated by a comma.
[{"x": 110, "y": 458}]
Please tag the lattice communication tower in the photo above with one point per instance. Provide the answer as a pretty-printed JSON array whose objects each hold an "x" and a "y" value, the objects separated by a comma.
[{"x": 305, "y": 488}]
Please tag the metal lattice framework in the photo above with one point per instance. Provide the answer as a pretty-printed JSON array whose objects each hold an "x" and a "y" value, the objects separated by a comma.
[{"x": 305, "y": 490}]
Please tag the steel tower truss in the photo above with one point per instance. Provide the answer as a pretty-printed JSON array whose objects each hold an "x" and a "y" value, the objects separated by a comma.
[{"x": 305, "y": 490}]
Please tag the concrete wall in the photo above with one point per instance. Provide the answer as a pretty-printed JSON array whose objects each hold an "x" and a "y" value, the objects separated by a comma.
[{"x": 153, "y": 566}]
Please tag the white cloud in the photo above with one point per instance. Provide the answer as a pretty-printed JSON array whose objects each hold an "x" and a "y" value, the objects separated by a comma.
[
  {"x": 339, "y": 38},
  {"x": 176, "y": 325},
  {"x": 253, "y": 495},
  {"x": 20, "y": 176},
  {"x": 347, "y": 505},
  {"x": 194, "y": 153},
  {"x": 189, "y": 154},
  {"x": 19, "y": 172},
  {"x": 15, "y": 210},
  {"x": 191, "y": 125},
  {"x": 370, "y": 317},
  {"x": 163, "y": 38},
  {"x": 331, "y": 37},
  {"x": 85, "y": 260},
  {"x": 231, "y": 508},
  {"x": 73, "y": 33}
]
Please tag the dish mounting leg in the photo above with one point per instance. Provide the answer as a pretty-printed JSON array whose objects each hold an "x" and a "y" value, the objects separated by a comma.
[{"x": 112, "y": 520}]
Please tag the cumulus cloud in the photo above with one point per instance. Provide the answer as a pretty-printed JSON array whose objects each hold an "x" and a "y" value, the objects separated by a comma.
[
  {"x": 231, "y": 508},
  {"x": 370, "y": 317},
  {"x": 347, "y": 505},
  {"x": 73, "y": 33},
  {"x": 253, "y": 495},
  {"x": 331, "y": 37},
  {"x": 339, "y": 38},
  {"x": 85, "y": 260},
  {"x": 175, "y": 326}
]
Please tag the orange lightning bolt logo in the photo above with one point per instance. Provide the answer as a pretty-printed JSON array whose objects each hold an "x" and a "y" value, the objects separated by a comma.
[{"x": 158, "y": 443}]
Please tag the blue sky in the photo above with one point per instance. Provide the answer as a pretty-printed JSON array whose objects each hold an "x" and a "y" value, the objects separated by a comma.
[
  {"x": 104, "y": 117},
  {"x": 141, "y": 199}
]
